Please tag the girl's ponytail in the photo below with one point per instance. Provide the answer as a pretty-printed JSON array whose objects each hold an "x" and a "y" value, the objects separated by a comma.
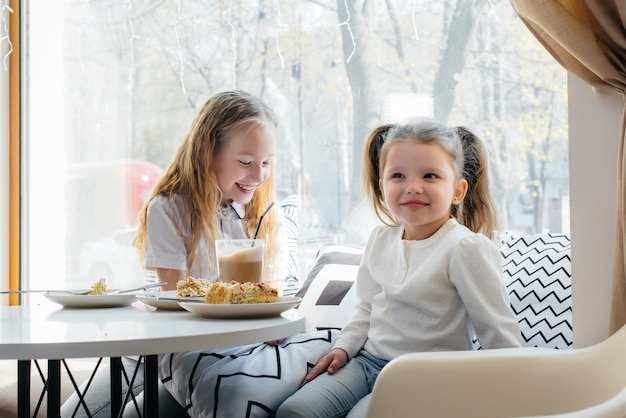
[
  {"x": 371, "y": 171},
  {"x": 477, "y": 211}
]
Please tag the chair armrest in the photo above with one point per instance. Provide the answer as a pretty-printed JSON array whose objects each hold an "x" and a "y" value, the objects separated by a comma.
[{"x": 501, "y": 382}]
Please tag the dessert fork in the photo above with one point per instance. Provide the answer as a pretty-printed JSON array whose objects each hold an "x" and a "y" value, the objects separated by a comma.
[{"x": 83, "y": 292}]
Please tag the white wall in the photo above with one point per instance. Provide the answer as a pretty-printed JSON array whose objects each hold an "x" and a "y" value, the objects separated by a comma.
[{"x": 594, "y": 123}]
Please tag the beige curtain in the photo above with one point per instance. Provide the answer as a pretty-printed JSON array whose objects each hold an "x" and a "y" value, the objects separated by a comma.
[{"x": 588, "y": 37}]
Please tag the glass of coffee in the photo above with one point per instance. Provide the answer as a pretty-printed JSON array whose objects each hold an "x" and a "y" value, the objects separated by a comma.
[{"x": 240, "y": 260}]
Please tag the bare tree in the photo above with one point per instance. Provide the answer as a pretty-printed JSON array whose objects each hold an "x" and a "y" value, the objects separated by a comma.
[
  {"x": 362, "y": 76},
  {"x": 454, "y": 54}
]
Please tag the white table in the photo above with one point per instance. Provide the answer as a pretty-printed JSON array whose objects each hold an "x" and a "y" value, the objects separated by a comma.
[{"x": 48, "y": 331}]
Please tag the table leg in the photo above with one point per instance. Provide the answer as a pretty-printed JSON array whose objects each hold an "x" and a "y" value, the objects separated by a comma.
[
  {"x": 116, "y": 386},
  {"x": 23, "y": 388},
  {"x": 54, "y": 388},
  {"x": 151, "y": 387}
]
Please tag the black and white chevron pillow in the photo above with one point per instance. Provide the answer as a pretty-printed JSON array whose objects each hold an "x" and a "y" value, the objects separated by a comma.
[
  {"x": 243, "y": 381},
  {"x": 537, "y": 272}
]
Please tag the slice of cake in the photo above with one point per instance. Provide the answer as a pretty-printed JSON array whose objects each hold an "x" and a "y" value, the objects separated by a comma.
[
  {"x": 99, "y": 288},
  {"x": 192, "y": 287},
  {"x": 235, "y": 293}
]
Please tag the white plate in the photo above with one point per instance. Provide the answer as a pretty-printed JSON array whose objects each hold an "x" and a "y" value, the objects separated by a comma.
[
  {"x": 90, "y": 301},
  {"x": 244, "y": 310},
  {"x": 153, "y": 300}
]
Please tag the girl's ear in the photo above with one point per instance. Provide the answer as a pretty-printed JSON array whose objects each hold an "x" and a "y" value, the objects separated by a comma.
[{"x": 459, "y": 192}]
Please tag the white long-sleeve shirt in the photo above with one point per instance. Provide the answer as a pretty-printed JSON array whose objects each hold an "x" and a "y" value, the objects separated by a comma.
[{"x": 425, "y": 295}]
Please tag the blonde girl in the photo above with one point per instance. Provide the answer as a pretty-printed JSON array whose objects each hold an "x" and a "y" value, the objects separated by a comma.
[{"x": 218, "y": 185}]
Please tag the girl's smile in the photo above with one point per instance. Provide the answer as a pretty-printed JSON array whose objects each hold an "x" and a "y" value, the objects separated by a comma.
[
  {"x": 414, "y": 203},
  {"x": 246, "y": 189},
  {"x": 244, "y": 162}
]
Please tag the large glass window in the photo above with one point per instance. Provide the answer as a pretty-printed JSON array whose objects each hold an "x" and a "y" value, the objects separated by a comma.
[{"x": 112, "y": 86}]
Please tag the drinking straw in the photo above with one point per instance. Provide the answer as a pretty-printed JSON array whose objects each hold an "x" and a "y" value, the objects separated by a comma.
[{"x": 260, "y": 219}]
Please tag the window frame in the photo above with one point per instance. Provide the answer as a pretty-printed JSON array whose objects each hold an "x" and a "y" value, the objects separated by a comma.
[{"x": 10, "y": 140}]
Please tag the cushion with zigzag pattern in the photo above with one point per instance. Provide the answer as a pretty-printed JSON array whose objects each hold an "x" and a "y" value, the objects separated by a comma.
[
  {"x": 245, "y": 381},
  {"x": 537, "y": 274}
]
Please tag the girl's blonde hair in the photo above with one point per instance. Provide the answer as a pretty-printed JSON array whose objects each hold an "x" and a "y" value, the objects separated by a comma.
[
  {"x": 191, "y": 175},
  {"x": 372, "y": 172},
  {"x": 477, "y": 211},
  {"x": 468, "y": 154}
]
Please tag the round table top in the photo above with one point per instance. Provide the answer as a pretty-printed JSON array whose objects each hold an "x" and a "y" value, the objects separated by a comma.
[{"x": 49, "y": 331}]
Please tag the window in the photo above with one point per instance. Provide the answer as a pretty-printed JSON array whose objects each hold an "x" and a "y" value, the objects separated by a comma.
[{"x": 113, "y": 85}]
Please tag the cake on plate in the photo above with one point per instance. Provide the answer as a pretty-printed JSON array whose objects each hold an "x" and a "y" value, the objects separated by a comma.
[
  {"x": 99, "y": 288},
  {"x": 192, "y": 287},
  {"x": 236, "y": 293}
]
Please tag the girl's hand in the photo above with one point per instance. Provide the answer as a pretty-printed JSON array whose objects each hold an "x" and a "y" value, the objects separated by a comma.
[
  {"x": 171, "y": 277},
  {"x": 330, "y": 363}
]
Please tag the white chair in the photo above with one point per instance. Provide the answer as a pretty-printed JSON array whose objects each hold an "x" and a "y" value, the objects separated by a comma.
[{"x": 520, "y": 382}]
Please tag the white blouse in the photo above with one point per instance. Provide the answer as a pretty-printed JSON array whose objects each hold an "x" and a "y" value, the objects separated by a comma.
[{"x": 428, "y": 295}]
